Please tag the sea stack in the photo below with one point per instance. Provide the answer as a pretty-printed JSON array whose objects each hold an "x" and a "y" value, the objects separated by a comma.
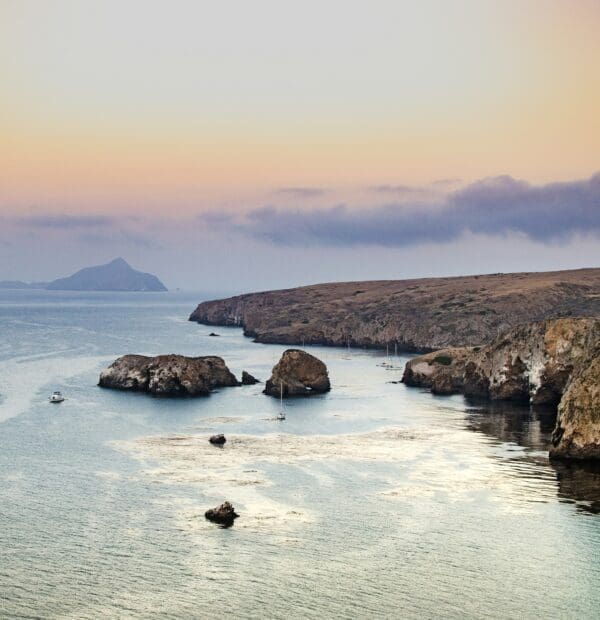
[
  {"x": 248, "y": 379},
  {"x": 298, "y": 374}
]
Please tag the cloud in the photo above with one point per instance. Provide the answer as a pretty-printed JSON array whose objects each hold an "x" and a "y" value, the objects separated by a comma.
[
  {"x": 493, "y": 206},
  {"x": 446, "y": 182},
  {"x": 98, "y": 230},
  {"x": 119, "y": 238},
  {"x": 302, "y": 192},
  {"x": 398, "y": 189},
  {"x": 65, "y": 221}
]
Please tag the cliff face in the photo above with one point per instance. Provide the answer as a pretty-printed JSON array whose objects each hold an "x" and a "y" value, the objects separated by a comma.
[
  {"x": 414, "y": 315},
  {"x": 577, "y": 432},
  {"x": 553, "y": 362}
]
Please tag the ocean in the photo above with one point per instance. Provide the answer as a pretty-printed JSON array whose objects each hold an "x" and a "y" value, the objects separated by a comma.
[{"x": 374, "y": 500}]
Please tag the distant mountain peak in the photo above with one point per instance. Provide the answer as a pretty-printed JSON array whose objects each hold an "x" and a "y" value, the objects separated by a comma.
[
  {"x": 120, "y": 261},
  {"x": 118, "y": 275}
]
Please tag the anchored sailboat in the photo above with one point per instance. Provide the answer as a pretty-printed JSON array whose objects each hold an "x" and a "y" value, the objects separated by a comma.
[{"x": 281, "y": 414}]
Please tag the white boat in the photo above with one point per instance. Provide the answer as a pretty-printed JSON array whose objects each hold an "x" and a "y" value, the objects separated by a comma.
[
  {"x": 56, "y": 397},
  {"x": 281, "y": 414}
]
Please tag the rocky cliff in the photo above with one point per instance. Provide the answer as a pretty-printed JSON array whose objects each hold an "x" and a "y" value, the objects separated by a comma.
[
  {"x": 414, "y": 315},
  {"x": 168, "y": 375},
  {"x": 577, "y": 432},
  {"x": 552, "y": 362}
]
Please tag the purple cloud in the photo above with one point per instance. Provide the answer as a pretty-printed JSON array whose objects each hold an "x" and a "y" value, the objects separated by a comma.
[{"x": 493, "y": 206}]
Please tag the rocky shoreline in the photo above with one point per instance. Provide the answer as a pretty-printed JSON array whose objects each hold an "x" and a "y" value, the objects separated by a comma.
[
  {"x": 554, "y": 362},
  {"x": 407, "y": 315}
]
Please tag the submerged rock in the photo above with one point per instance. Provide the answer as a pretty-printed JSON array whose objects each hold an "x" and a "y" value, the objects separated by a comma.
[
  {"x": 218, "y": 440},
  {"x": 214, "y": 335},
  {"x": 298, "y": 373},
  {"x": 168, "y": 375},
  {"x": 248, "y": 379},
  {"x": 223, "y": 514}
]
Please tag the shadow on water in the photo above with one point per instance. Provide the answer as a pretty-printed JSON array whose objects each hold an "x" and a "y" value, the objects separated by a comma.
[{"x": 530, "y": 428}]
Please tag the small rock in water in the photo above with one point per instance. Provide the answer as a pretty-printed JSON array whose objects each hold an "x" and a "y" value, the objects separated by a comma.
[
  {"x": 213, "y": 334},
  {"x": 248, "y": 379},
  {"x": 218, "y": 440},
  {"x": 223, "y": 515}
]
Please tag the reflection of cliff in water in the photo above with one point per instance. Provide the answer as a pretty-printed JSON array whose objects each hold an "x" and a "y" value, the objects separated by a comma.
[
  {"x": 531, "y": 428},
  {"x": 579, "y": 483},
  {"x": 511, "y": 423}
]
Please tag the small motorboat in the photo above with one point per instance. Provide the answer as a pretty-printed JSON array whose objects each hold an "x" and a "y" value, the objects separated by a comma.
[{"x": 56, "y": 397}]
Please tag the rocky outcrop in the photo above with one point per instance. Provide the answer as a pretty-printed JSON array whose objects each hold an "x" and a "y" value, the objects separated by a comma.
[
  {"x": 412, "y": 315},
  {"x": 223, "y": 515},
  {"x": 441, "y": 371},
  {"x": 248, "y": 379},
  {"x": 531, "y": 363},
  {"x": 168, "y": 375},
  {"x": 218, "y": 440},
  {"x": 554, "y": 362},
  {"x": 298, "y": 374}
]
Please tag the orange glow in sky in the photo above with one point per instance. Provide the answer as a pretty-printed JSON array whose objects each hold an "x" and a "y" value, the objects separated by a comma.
[{"x": 141, "y": 105}]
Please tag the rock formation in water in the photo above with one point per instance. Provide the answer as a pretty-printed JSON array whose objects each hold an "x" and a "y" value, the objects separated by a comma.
[
  {"x": 168, "y": 375},
  {"x": 412, "y": 315},
  {"x": 224, "y": 514},
  {"x": 298, "y": 374},
  {"x": 248, "y": 379},
  {"x": 553, "y": 362},
  {"x": 117, "y": 275},
  {"x": 218, "y": 440},
  {"x": 441, "y": 371}
]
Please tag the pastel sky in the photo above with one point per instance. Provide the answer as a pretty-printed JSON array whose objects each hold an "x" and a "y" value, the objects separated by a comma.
[{"x": 240, "y": 145}]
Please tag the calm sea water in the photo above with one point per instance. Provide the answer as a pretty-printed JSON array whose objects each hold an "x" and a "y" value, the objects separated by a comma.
[{"x": 372, "y": 501}]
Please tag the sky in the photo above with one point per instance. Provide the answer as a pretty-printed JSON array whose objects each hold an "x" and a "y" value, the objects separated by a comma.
[{"x": 238, "y": 146}]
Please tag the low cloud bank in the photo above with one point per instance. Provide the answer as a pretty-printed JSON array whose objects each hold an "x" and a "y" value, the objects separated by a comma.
[{"x": 494, "y": 206}]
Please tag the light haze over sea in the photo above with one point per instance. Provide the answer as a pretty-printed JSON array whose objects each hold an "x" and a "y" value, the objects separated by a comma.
[{"x": 374, "y": 500}]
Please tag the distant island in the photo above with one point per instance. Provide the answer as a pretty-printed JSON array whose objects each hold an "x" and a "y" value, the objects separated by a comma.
[
  {"x": 116, "y": 276},
  {"x": 20, "y": 285}
]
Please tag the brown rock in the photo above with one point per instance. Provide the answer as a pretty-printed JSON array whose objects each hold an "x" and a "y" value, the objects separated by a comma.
[
  {"x": 248, "y": 379},
  {"x": 443, "y": 384},
  {"x": 298, "y": 373},
  {"x": 168, "y": 375},
  {"x": 223, "y": 515},
  {"x": 577, "y": 432},
  {"x": 443, "y": 369}
]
